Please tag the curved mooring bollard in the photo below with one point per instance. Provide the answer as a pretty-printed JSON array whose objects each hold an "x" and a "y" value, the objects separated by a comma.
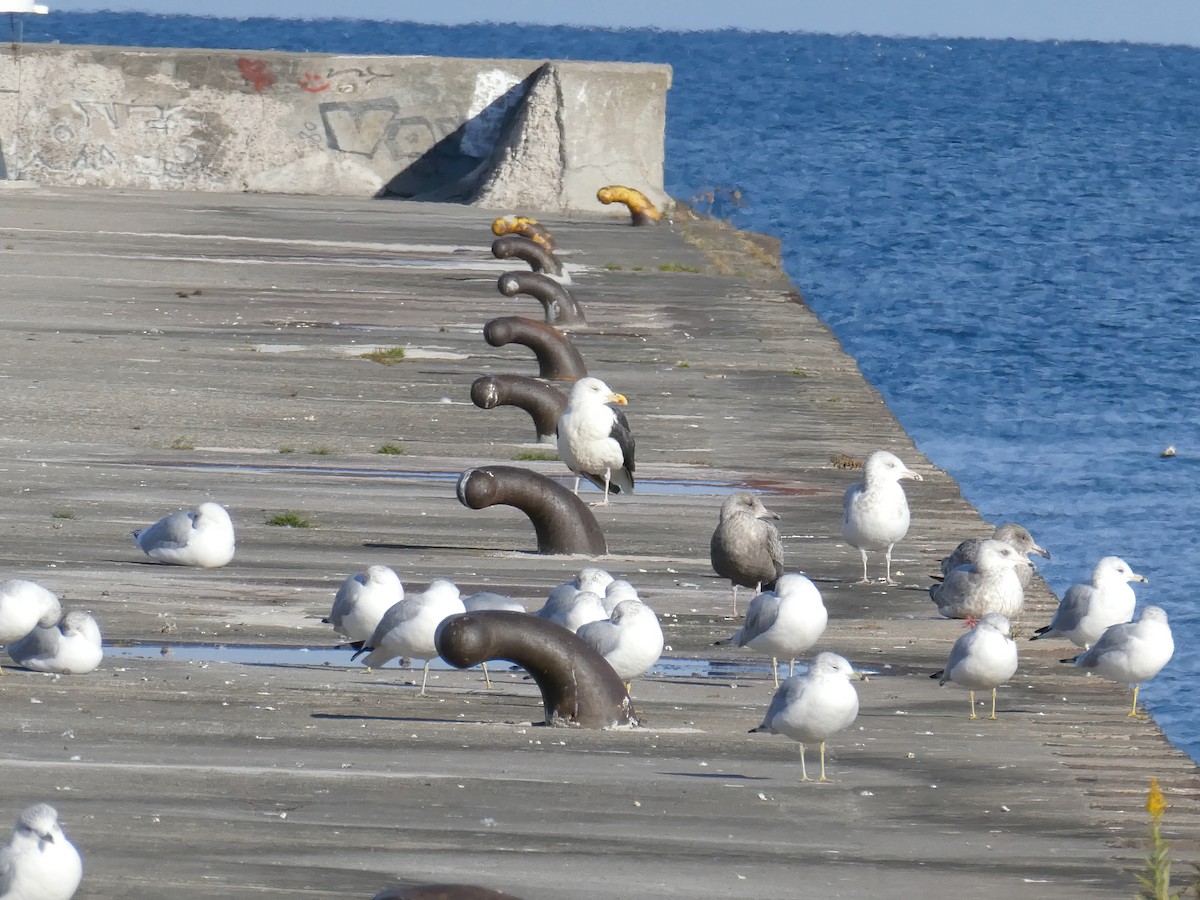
[
  {"x": 641, "y": 210},
  {"x": 539, "y": 258},
  {"x": 544, "y": 402},
  {"x": 525, "y": 227},
  {"x": 578, "y": 685},
  {"x": 558, "y": 360},
  {"x": 560, "y": 307},
  {"x": 563, "y": 522}
]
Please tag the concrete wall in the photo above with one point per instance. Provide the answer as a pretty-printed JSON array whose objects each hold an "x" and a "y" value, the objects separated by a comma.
[{"x": 502, "y": 133}]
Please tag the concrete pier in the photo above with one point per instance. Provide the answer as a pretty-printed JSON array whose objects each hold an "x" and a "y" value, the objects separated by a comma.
[{"x": 160, "y": 349}]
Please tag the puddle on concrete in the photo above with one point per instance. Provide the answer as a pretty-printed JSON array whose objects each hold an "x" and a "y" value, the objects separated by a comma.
[{"x": 339, "y": 657}]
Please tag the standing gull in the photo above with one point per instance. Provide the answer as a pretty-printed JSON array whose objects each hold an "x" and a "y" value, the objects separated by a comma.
[
  {"x": 784, "y": 622},
  {"x": 875, "y": 513},
  {"x": 408, "y": 628},
  {"x": 39, "y": 862},
  {"x": 745, "y": 548},
  {"x": 362, "y": 600},
  {"x": 631, "y": 640},
  {"x": 991, "y": 585},
  {"x": 594, "y": 440},
  {"x": 813, "y": 706},
  {"x": 1012, "y": 534},
  {"x": 485, "y": 600},
  {"x": 1087, "y": 610},
  {"x": 201, "y": 537},
  {"x": 1131, "y": 652},
  {"x": 984, "y": 657},
  {"x": 72, "y": 647}
]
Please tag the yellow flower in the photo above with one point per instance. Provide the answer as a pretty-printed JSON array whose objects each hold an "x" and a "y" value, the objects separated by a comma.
[{"x": 1156, "y": 803}]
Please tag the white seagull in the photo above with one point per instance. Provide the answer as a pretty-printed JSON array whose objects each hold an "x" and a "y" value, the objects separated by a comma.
[
  {"x": 594, "y": 440},
  {"x": 616, "y": 591},
  {"x": 875, "y": 515},
  {"x": 1087, "y": 610},
  {"x": 985, "y": 657},
  {"x": 784, "y": 622},
  {"x": 815, "y": 705},
  {"x": 991, "y": 585},
  {"x": 1131, "y": 652},
  {"x": 24, "y": 605},
  {"x": 1016, "y": 536},
  {"x": 745, "y": 548},
  {"x": 39, "y": 862},
  {"x": 202, "y": 537},
  {"x": 408, "y": 627},
  {"x": 631, "y": 640},
  {"x": 72, "y": 647},
  {"x": 362, "y": 600},
  {"x": 573, "y": 611}
]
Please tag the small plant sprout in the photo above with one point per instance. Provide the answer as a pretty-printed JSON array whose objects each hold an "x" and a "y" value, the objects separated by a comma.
[
  {"x": 288, "y": 519},
  {"x": 386, "y": 356}
]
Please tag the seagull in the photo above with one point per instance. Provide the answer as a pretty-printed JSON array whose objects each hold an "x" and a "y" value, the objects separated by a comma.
[
  {"x": 362, "y": 600},
  {"x": 1012, "y": 534},
  {"x": 615, "y": 592},
  {"x": 1131, "y": 652},
  {"x": 745, "y": 548},
  {"x": 594, "y": 439},
  {"x": 71, "y": 647},
  {"x": 631, "y": 640},
  {"x": 784, "y": 622},
  {"x": 574, "y": 610},
  {"x": 485, "y": 600},
  {"x": 202, "y": 537},
  {"x": 24, "y": 605},
  {"x": 815, "y": 705},
  {"x": 1086, "y": 610},
  {"x": 991, "y": 585},
  {"x": 589, "y": 578},
  {"x": 984, "y": 657},
  {"x": 39, "y": 862},
  {"x": 876, "y": 510},
  {"x": 408, "y": 627}
]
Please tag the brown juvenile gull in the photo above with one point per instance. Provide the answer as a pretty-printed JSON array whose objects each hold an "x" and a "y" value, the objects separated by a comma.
[
  {"x": 875, "y": 513},
  {"x": 1012, "y": 534},
  {"x": 594, "y": 440},
  {"x": 1131, "y": 652},
  {"x": 985, "y": 657},
  {"x": 815, "y": 705},
  {"x": 1087, "y": 610},
  {"x": 784, "y": 622},
  {"x": 991, "y": 585},
  {"x": 745, "y": 548}
]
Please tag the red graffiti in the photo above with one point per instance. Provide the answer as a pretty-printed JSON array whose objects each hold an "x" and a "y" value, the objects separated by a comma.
[
  {"x": 314, "y": 83},
  {"x": 255, "y": 72}
]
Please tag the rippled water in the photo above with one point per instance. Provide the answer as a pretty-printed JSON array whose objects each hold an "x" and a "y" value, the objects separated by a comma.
[{"x": 1003, "y": 233}]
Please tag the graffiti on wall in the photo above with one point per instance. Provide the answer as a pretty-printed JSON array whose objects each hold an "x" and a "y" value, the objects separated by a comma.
[{"x": 371, "y": 127}]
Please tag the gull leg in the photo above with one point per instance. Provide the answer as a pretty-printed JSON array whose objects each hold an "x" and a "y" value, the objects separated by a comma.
[
  {"x": 823, "y": 778},
  {"x": 775, "y": 671},
  {"x": 629, "y": 687},
  {"x": 803, "y": 769},
  {"x": 576, "y": 485},
  {"x": 486, "y": 679},
  {"x": 791, "y": 668},
  {"x": 865, "y": 579},
  {"x": 1133, "y": 713},
  {"x": 888, "y": 557},
  {"x": 425, "y": 677},
  {"x": 735, "y": 587},
  {"x": 973, "y": 716},
  {"x": 607, "y": 476},
  {"x": 993, "y": 704}
]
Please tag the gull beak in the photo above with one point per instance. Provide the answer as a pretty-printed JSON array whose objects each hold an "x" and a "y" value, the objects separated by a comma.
[
  {"x": 768, "y": 514},
  {"x": 618, "y": 399},
  {"x": 1040, "y": 551},
  {"x": 1141, "y": 578},
  {"x": 909, "y": 473},
  {"x": 860, "y": 675}
]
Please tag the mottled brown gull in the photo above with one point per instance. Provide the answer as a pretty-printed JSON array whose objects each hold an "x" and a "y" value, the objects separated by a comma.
[
  {"x": 1016, "y": 536},
  {"x": 744, "y": 548},
  {"x": 991, "y": 585}
]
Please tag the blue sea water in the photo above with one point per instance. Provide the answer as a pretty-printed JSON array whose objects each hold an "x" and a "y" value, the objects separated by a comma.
[{"x": 1005, "y": 234}]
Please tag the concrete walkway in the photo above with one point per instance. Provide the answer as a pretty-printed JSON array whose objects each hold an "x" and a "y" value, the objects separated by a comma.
[{"x": 159, "y": 349}]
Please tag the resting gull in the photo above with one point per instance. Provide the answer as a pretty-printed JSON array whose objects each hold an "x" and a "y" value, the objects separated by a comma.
[
  {"x": 991, "y": 585},
  {"x": 784, "y": 622},
  {"x": 616, "y": 591},
  {"x": 408, "y": 627},
  {"x": 1087, "y": 610},
  {"x": 985, "y": 657},
  {"x": 72, "y": 647},
  {"x": 813, "y": 706},
  {"x": 39, "y": 862},
  {"x": 202, "y": 537},
  {"x": 362, "y": 600},
  {"x": 572, "y": 611},
  {"x": 745, "y": 548},
  {"x": 1131, "y": 652},
  {"x": 875, "y": 513},
  {"x": 594, "y": 440},
  {"x": 24, "y": 605},
  {"x": 1012, "y": 534},
  {"x": 630, "y": 639}
]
